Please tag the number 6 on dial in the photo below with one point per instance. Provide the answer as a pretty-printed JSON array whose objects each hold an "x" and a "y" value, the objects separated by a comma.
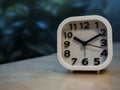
[{"x": 84, "y": 43}]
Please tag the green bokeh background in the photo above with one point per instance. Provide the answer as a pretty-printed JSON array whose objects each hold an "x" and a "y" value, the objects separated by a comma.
[{"x": 28, "y": 28}]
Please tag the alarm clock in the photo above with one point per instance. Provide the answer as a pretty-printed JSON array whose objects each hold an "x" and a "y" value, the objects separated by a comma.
[{"x": 84, "y": 43}]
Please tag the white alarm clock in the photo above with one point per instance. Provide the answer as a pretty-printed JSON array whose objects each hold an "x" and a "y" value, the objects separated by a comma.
[{"x": 84, "y": 43}]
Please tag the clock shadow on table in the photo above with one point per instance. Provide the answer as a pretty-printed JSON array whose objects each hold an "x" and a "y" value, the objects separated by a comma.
[{"x": 88, "y": 72}]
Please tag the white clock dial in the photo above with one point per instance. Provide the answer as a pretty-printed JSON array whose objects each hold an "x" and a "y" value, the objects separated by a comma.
[{"x": 84, "y": 43}]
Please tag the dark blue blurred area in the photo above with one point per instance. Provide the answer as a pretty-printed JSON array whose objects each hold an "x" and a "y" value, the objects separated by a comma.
[{"x": 28, "y": 28}]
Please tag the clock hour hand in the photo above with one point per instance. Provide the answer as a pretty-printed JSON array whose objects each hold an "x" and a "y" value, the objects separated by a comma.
[
  {"x": 92, "y": 38},
  {"x": 77, "y": 39}
]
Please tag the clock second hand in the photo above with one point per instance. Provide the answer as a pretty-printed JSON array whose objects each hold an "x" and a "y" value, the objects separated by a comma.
[
  {"x": 84, "y": 51},
  {"x": 94, "y": 45}
]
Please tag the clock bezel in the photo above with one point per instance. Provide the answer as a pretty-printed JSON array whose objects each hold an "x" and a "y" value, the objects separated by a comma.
[{"x": 109, "y": 42}]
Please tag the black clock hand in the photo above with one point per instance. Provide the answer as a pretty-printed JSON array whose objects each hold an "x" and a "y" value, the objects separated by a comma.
[
  {"x": 92, "y": 38},
  {"x": 77, "y": 39},
  {"x": 94, "y": 45}
]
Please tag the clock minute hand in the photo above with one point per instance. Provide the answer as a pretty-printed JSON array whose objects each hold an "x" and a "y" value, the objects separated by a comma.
[
  {"x": 77, "y": 39},
  {"x": 92, "y": 38}
]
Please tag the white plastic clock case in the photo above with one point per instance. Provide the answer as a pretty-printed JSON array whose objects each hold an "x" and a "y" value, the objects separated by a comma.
[{"x": 109, "y": 38}]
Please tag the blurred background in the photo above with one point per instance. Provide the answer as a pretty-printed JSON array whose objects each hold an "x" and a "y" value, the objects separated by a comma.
[{"x": 28, "y": 28}]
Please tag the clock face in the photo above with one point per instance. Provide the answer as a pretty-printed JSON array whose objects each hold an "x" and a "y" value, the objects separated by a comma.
[{"x": 85, "y": 43}]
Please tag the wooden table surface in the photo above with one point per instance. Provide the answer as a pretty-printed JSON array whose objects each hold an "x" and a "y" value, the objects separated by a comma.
[{"x": 45, "y": 73}]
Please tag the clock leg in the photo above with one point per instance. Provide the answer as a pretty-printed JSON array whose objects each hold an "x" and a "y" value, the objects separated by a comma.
[
  {"x": 98, "y": 72},
  {"x": 71, "y": 71}
]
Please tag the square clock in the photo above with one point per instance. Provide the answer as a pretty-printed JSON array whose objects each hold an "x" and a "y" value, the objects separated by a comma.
[{"x": 84, "y": 43}]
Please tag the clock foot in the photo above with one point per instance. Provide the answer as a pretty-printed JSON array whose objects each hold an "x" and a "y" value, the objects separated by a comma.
[
  {"x": 98, "y": 72},
  {"x": 71, "y": 71}
]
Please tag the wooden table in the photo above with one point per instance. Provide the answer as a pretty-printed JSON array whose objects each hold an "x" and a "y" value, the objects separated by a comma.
[{"x": 45, "y": 73}]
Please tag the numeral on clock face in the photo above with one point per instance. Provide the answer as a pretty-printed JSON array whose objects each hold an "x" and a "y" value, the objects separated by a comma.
[
  {"x": 103, "y": 32},
  {"x": 73, "y": 26},
  {"x": 96, "y": 61},
  {"x": 67, "y": 53},
  {"x": 66, "y": 44},
  {"x": 85, "y": 61},
  {"x": 68, "y": 35},
  {"x": 96, "y": 23},
  {"x": 104, "y": 53},
  {"x": 103, "y": 42},
  {"x": 74, "y": 60},
  {"x": 85, "y": 25}
]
